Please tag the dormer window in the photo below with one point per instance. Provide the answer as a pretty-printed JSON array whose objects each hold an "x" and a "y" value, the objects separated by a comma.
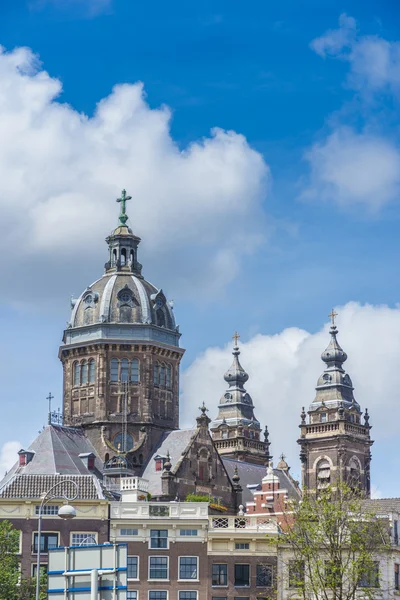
[
  {"x": 25, "y": 457},
  {"x": 159, "y": 463}
]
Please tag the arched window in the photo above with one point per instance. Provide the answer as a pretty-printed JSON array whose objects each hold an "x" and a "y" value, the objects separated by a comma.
[
  {"x": 162, "y": 375},
  {"x": 77, "y": 373},
  {"x": 114, "y": 369},
  {"x": 156, "y": 373},
  {"x": 123, "y": 256},
  {"x": 354, "y": 474},
  {"x": 124, "y": 370},
  {"x": 84, "y": 372},
  {"x": 131, "y": 258},
  {"x": 91, "y": 370},
  {"x": 323, "y": 474},
  {"x": 114, "y": 256},
  {"x": 169, "y": 376},
  {"x": 135, "y": 370}
]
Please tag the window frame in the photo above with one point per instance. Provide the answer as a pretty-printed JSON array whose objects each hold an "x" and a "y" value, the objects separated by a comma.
[
  {"x": 362, "y": 583},
  {"x": 242, "y": 585},
  {"x": 34, "y": 567},
  {"x": 299, "y": 570},
  {"x": 238, "y": 544},
  {"x": 137, "y": 567},
  {"x": 219, "y": 574},
  {"x": 132, "y": 592},
  {"x": 197, "y": 578},
  {"x": 269, "y": 567},
  {"x": 44, "y": 533},
  {"x": 151, "y": 547},
  {"x": 164, "y": 557},
  {"x": 128, "y": 534},
  {"x": 189, "y": 534},
  {"x": 188, "y": 592},
  {"x": 87, "y": 534},
  {"x": 159, "y": 591},
  {"x": 396, "y": 576}
]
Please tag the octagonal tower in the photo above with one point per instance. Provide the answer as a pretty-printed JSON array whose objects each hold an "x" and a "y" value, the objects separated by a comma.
[{"x": 121, "y": 357}]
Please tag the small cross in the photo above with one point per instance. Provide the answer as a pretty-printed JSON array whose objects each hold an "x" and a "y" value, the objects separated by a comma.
[
  {"x": 236, "y": 337},
  {"x": 123, "y": 217},
  {"x": 332, "y": 316},
  {"x": 50, "y": 398},
  {"x": 282, "y": 456}
]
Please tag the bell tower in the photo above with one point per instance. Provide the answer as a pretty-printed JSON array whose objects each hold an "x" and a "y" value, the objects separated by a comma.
[
  {"x": 121, "y": 357},
  {"x": 334, "y": 436},
  {"x": 236, "y": 431}
]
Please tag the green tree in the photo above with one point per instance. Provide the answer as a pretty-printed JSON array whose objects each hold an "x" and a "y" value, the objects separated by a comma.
[
  {"x": 9, "y": 561},
  {"x": 331, "y": 545}
]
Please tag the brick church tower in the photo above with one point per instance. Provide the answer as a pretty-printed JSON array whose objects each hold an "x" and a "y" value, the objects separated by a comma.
[
  {"x": 121, "y": 356},
  {"x": 335, "y": 441},
  {"x": 236, "y": 431}
]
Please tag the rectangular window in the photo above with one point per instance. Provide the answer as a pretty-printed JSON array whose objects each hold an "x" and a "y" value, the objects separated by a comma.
[
  {"x": 188, "y": 567},
  {"x": 159, "y": 464},
  {"x": 242, "y": 546},
  {"x": 43, "y": 569},
  {"x": 242, "y": 598},
  {"x": 188, "y": 532},
  {"x": 159, "y": 538},
  {"x": 129, "y": 532},
  {"x": 324, "y": 417},
  {"x": 48, "y": 509},
  {"x": 396, "y": 532},
  {"x": 396, "y": 577},
  {"x": 296, "y": 573},
  {"x": 219, "y": 574},
  {"x": 157, "y": 595},
  {"x": 158, "y": 567},
  {"x": 132, "y": 564},
  {"x": 264, "y": 576},
  {"x": 219, "y": 598},
  {"x": 48, "y": 541},
  {"x": 131, "y": 595},
  {"x": 83, "y": 539},
  {"x": 370, "y": 578},
  {"x": 135, "y": 371},
  {"x": 242, "y": 575},
  {"x": 192, "y": 595}
]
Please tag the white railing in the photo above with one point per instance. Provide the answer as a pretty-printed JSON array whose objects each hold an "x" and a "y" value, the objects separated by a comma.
[
  {"x": 130, "y": 484},
  {"x": 243, "y": 523},
  {"x": 160, "y": 510}
]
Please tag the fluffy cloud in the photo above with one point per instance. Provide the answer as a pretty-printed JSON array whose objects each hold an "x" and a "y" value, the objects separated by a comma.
[
  {"x": 60, "y": 172},
  {"x": 284, "y": 369},
  {"x": 358, "y": 167},
  {"x": 354, "y": 168},
  {"x": 374, "y": 62},
  {"x": 8, "y": 456}
]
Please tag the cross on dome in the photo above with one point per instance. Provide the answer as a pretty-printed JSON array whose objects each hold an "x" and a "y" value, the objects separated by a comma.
[
  {"x": 123, "y": 217},
  {"x": 236, "y": 338},
  {"x": 332, "y": 316}
]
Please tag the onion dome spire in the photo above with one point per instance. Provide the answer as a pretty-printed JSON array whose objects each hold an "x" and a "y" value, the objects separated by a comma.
[
  {"x": 236, "y": 376},
  {"x": 334, "y": 355}
]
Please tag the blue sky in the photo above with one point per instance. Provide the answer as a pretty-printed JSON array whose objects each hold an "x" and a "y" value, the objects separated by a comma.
[{"x": 318, "y": 226}]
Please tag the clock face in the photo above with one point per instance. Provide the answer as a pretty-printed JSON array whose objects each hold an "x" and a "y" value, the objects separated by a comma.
[{"x": 123, "y": 443}]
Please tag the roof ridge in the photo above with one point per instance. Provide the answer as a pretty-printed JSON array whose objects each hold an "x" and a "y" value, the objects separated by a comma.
[{"x": 61, "y": 441}]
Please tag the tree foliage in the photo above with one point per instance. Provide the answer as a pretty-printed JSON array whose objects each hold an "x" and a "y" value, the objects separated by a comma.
[{"x": 332, "y": 545}]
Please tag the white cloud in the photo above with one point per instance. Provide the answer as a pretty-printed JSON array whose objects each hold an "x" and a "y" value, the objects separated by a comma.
[
  {"x": 284, "y": 369},
  {"x": 359, "y": 167},
  {"x": 8, "y": 456},
  {"x": 354, "y": 168},
  {"x": 60, "y": 172}
]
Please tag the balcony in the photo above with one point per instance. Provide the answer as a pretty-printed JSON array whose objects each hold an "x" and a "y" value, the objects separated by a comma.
[{"x": 243, "y": 524}]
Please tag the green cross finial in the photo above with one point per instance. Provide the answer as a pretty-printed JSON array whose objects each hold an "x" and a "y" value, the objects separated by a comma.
[{"x": 123, "y": 217}]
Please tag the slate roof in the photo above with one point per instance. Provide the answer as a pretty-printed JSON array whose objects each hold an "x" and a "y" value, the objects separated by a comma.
[
  {"x": 174, "y": 442},
  {"x": 383, "y": 505},
  {"x": 56, "y": 456},
  {"x": 252, "y": 475}
]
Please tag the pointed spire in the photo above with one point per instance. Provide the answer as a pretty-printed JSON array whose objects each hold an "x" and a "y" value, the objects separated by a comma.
[
  {"x": 334, "y": 355},
  {"x": 236, "y": 376}
]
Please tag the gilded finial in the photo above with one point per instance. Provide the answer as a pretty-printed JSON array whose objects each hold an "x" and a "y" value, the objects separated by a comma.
[
  {"x": 123, "y": 217},
  {"x": 236, "y": 338},
  {"x": 332, "y": 315}
]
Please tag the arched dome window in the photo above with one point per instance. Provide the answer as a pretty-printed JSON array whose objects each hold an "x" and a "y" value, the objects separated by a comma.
[
  {"x": 77, "y": 373},
  {"x": 123, "y": 256},
  {"x": 135, "y": 370},
  {"x": 354, "y": 472},
  {"x": 92, "y": 370},
  {"x": 84, "y": 372},
  {"x": 114, "y": 369},
  {"x": 124, "y": 370},
  {"x": 323, "y": 474}
]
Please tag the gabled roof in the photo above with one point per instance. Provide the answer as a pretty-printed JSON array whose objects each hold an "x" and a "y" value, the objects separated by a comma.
[
  {"x": 252, "y": 475},
  {"x": 174, "y": 442}
]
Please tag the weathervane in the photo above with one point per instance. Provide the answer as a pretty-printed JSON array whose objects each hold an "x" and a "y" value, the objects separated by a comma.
[{"x": 123, "y": 217}]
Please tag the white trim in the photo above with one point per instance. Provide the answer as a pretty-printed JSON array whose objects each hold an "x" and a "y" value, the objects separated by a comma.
[
  {"x": 105, "y": 299},
  {"x": 138, "y": 565},
  {"x": 167, "y": 591},
  {"x": 148, "y": 570},
  {"x": 184, "y": 591},
  {"x": 150, "y": 538},
  {"x": 179, "y": 568},
  {"x": 144, "y": 301},
  {"x": 87, "y": 534}
]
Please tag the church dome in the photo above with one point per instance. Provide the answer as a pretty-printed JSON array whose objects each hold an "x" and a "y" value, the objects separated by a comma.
[{"x": 122, "y": 304}]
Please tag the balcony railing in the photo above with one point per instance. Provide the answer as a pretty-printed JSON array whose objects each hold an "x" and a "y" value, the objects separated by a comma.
[{"x": 224, "y": 524}]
